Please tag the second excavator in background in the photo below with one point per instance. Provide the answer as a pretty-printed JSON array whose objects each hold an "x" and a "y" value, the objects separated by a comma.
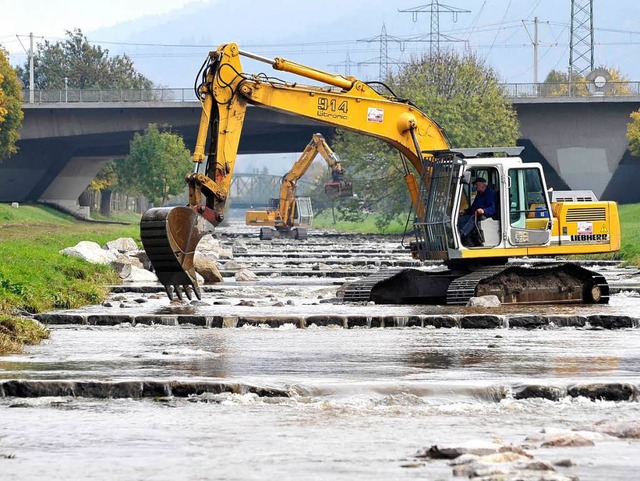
[
  {"x": 527, "y": 221},
  {"x": 289, "y": 216}
]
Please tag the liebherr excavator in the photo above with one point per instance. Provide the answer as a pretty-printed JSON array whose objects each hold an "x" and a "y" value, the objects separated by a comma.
[
  {"x": 526, "y": 223},
  {"x": 290, "y": 216}
]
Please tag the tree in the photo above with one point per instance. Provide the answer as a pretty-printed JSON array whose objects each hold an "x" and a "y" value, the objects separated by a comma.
[
  {"x": 85, "y": 66},
  {"x": 633, "y": 133},
  {"x": 556, "y": 84},
  {"x": 11, "y": 114},
  {"x": 459, "y": 92},
  {"x": 106, "y": 182},
  {"x": 156, "y": 165}
]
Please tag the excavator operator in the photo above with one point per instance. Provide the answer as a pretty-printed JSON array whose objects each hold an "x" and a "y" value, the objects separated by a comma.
[{"x": 483, "y": 206}]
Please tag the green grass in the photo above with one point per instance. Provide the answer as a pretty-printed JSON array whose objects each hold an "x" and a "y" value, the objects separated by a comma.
[
  {"x": 324, "y": 220},
  {"x": 35, "y": 277},
  {"x": 630, "y": 227},
  {"x": 128, "y": 217},
  {"x": 16, "y": 332}
]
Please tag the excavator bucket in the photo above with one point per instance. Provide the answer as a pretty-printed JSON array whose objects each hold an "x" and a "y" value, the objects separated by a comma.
[
  {"x": 338, "y": 189},
  {"x": 170, "y": 236}
]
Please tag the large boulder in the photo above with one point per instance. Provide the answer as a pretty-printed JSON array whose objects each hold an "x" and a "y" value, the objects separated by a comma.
[
  {"x": 484, "y": 301},
  {"x": 123, "y": 264},
  {"x": 212, "y": 248},
  {"x": 122, "y": 245},
  {"x": 207, "y": 269},
  {"x": 90, "y": 252},
  {"x": 234, "y": 266},
  {"x": 140, "y": 275},
  {"x": 245, "y": 275}
]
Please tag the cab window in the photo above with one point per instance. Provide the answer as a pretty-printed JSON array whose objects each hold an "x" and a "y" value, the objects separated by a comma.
[{"x": 526, "y": 198}]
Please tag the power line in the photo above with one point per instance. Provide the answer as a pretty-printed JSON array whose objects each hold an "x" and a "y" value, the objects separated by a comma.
[{"x": 498, "y": 32}]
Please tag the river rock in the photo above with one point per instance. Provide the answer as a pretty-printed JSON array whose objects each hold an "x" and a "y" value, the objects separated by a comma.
[
  {"x": 211, "y": 247},
  {"x": 90, "y": 252},
  {"x": 607, "y": 392},
  {"x": 122, "y": 245},
  {"x": 140, "y": 275},
  {"x": 623, "y": 430},
  {"x": 239, "y": 247},
  {"x": 123, "y": 264},
  {"x": 476, "y": 447},
  {"x": 245, "y": 275},
  {"x": 567, "y": 440},
  {"x": 142, "y": 256},
  {"x": 207, "y": 269},
  {"x": 234, "y": 265},
  {"x": 562, "y": 438},
  {"x": 484, "y": 301}
]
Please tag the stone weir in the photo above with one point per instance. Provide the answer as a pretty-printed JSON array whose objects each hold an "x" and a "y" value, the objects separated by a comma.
[
  {"x": 358, "y": 319},
  {"x": 210, "y": 390}
]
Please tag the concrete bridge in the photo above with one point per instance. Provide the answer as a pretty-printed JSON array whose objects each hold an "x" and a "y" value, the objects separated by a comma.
[
  {"x": 581, "y": 141},
  {"x": 63, "y": 146}
]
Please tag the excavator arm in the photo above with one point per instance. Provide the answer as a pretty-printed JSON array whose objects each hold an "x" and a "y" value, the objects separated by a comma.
[
  {"x": 282, "y": 213},
  {"x": 170, "y": 235}
]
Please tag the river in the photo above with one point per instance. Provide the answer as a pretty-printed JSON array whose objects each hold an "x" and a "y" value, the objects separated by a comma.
[{"x": 362, "y": 402}]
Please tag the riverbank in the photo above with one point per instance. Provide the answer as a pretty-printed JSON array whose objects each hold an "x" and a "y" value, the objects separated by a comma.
[{"x": 35, "y": 278}]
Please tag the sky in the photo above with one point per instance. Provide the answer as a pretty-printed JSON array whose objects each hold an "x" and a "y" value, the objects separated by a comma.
[
  {"x": 168, "y": 39},
  {"x": 51, "y": 18}
]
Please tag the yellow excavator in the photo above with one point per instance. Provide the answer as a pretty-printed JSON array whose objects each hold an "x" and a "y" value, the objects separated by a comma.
[
  {"x": 527, "y": 221},
  {"x": 290, "y": 216}
]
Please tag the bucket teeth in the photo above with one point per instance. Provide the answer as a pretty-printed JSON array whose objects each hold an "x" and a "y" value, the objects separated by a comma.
[{"x": 187, "y": 291}]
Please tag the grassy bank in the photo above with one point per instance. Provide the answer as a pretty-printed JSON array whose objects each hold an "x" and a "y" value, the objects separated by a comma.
[
  {"x": 324, "y": 220},
  {"x": 630, "y": 226},
  {"x": 34, "y": 277}
]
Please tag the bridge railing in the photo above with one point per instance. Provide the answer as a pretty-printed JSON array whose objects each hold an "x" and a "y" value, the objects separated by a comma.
[
  {"x": 114, "y": 95},
  {"x": 576, "y": 89},
  {"x": 512, "y": 90}
]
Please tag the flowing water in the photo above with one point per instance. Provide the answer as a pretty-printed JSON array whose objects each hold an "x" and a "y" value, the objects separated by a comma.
[{"x": 362, "y": 402}]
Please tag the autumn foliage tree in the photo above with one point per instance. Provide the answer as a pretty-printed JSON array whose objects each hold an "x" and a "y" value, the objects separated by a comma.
[
  {"x": 11, "y": 114},
  {"x": 556, "y": 84},
  {"x": 633, "y": 133}
]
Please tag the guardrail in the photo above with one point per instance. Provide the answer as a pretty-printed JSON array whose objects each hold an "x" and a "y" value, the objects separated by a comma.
[
  {"x": 512, "y": 90},
  {"x": 115, "y": 95}
]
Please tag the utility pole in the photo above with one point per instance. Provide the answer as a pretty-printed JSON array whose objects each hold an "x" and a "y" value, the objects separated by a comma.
[
  {"x": 30, "y": 55},
  {"x": 535, "y": 42},
  {"x": 535, "y": 50},
  {"x": 31, "y": 81}
]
